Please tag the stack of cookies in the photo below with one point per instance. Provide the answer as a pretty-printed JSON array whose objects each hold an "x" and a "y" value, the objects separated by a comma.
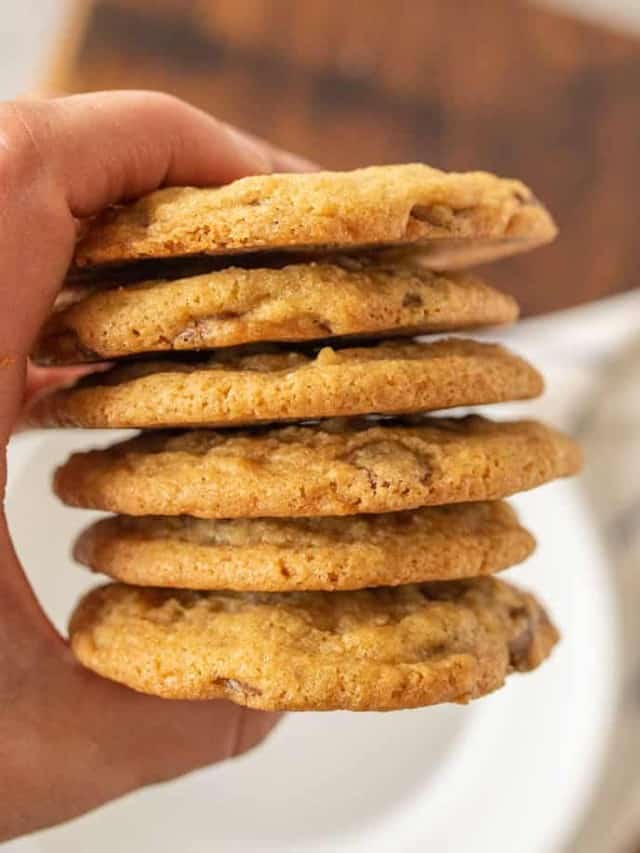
[{"x": 291, "y": 530}]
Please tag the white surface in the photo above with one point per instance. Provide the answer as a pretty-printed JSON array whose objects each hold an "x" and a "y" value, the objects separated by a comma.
[{"x": 404, "y": 781}]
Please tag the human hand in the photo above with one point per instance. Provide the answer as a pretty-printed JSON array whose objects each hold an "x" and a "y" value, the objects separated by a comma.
[{"x": 70, "y": 740}]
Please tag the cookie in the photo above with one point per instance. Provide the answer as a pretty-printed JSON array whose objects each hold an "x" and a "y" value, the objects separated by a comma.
[
  {"x": 273, "y": 555},
  {"x": 459, "y": 218},
  {"x": 365, "y": 650},
  {"x": 345, "y": 297},
  {"x": 228, "y": 389},
  {"x": 337, "y": 467}
]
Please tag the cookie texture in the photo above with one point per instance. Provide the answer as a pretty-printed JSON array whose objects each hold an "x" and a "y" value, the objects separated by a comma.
[
  {"x": 381, "y": 649},
  {"x": 272, "y": 555},
  {"x": 458, "y": 217},
  {"x": 344, "y": 297},
  {"x": 337, "y": 467},
  {"x": 228, "y": 389}
]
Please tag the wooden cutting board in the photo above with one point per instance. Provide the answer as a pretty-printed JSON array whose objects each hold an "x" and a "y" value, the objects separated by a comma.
[{"x": 499, "y": 85}]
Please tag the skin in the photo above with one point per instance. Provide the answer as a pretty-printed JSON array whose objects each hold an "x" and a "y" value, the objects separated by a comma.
[{"x": 62, "y": 160}]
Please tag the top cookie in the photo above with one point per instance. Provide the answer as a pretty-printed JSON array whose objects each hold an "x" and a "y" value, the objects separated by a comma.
[
  {"x": 343, "y": 296},
  {"x": 459, "y": 218}
]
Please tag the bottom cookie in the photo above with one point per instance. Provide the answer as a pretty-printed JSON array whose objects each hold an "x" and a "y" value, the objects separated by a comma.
[{"x": 382, "y": 649}]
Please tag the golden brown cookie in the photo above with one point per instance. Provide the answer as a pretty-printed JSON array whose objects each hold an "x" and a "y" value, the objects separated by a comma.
[
  {"x": 337, "y": 467},
  {"x": 364, "y": 650},
  {"x": 273, "y": 555},
  {"x": 458, "y": 218},
  {"x": 230, "y": 389},
  {"x": 347, "y": 296}
]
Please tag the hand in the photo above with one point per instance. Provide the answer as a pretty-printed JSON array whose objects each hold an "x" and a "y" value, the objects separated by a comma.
[{"x": 70, "y": 740}]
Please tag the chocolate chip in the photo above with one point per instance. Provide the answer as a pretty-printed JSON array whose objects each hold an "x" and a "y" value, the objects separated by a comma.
[
  {"x": 237, "y": 686},
  {"x": 521, "y": 643},
  {"x": 412, "y": 300}
]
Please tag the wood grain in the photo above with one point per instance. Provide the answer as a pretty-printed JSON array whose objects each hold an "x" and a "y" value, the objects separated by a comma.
[{"x": 497, "y": 85}]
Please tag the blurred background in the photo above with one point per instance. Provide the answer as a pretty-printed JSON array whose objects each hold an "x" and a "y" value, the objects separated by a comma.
[
  {"x": 550, "y": 93},
  {"x": 509, "y": 86}
]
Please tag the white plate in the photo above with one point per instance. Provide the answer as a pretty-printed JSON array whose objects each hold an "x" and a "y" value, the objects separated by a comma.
[{"x": 509, "y": 774}]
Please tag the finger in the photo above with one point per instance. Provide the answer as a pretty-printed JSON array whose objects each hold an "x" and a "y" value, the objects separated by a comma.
[
  {"x": 100, "y": 739},
  {"x": 70, "y": 157},
  {"x": 41, "y": 379},
  {"x": 108, "y": 147},
  {"x": 286, "y": 161},
  {"x": 192, "y": 733},
  {"x": 281, "y": 160},
  {"x": 219, "y": 730}
]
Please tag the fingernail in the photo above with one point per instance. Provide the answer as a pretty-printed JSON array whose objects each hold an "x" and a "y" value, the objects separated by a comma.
[
  {"x": 258, "y": 157},
  {"x": 295, "y": 163}
]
